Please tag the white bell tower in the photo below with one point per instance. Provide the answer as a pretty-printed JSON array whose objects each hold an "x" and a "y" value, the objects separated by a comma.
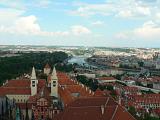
[
  {"x": 34, "y": 82},
  {"x": 54, "y": 83}
]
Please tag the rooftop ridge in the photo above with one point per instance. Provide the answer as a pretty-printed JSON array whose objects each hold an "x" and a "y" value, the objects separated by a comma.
[
  {"x": 106, "y": 102},
  {"x": 114, "y": 112}
]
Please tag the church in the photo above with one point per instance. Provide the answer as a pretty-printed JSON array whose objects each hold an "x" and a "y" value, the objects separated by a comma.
[{"x": 41, "y": 97}]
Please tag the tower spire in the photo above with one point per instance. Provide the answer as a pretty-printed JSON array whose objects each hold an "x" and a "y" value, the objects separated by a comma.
[
  {"x": 33, "y": 76},
  {"x": 54, "y": 73},
  {"x": 34, "y": 82},
  {"x": 54, "y": 83}
]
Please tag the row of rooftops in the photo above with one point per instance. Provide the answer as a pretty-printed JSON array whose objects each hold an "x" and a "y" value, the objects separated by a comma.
[
  {"x": 94, "y": 108},
  {"x": 87, "y": 105},
  {"x": 146, "y": 98},
  {"x": 149, "y": 79}
]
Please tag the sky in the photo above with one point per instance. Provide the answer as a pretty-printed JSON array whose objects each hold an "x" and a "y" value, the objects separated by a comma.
[{"x": 106, "y": 23}]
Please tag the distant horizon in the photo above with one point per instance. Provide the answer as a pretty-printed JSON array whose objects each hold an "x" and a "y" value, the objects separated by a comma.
[{"x": 85, "y": 46}]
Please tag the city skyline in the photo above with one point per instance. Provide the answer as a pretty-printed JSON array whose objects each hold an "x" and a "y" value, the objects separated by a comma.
[{"x": 106, "y": 23}]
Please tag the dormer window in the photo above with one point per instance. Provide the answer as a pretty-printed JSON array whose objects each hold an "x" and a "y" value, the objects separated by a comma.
[{"x": 54, "y": 83}]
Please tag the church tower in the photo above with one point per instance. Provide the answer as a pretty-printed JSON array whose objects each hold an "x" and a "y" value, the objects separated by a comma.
[
  {"x": 34, "y": 82},
  {"x": 54, "y": 83}
]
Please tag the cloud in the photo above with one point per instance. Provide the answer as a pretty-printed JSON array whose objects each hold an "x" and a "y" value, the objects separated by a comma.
[
  {"x": 79, "y": 30},
  {"x": 44, "y": 3},
  {"x": 97, "y": 23},
  {"x": 28, "y": 25},
  {"x": 93, "y": 9},
  {"x": 9, "y": 15},
  {"x": 123, "y": 8},
  {"x": 148, "y": 31},
  {"x": 15, "y": 4}
]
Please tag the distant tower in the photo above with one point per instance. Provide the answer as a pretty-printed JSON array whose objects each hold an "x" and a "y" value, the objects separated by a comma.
[
  {"x": 54, "y": 83},
  {"x": 47, "y": 69},
  {"x": 34, "y": 82}
]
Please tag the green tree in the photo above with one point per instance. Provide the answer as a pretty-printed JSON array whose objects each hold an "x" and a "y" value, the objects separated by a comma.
[{"x": 132, "y": 111}]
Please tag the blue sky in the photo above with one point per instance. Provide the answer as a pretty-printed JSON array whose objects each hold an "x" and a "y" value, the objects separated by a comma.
[{"x": 109, "y": 23}]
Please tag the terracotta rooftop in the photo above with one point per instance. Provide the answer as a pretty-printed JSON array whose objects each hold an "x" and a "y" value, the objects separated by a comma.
[
  {"x": 19, "y": 87},
  {"x": 94, "y": 108},
  {"x": 14, "y": 91},
  {"x": 18, "y": 83}
]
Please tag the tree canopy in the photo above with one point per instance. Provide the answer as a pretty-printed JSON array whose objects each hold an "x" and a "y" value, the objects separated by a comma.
[{"x": 12, "y": 67}]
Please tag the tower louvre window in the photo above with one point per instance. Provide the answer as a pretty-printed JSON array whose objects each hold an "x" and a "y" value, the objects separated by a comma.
[
  {"x": 54, "y": 83},
  {"x": 33, "y": 84}
]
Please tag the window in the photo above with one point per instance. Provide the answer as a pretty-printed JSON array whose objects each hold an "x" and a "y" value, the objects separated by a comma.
[
  {"x": 38, "y": 103},
  {"x": 54, "y": 83},
  {"x": 33, "y": 84},
  {"x": 45, "y": 103},
  {"x": 55, "y": 112}
]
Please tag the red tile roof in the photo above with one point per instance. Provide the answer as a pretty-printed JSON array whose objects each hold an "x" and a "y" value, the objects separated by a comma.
[
  {"x": 91, "y": 109},
  {"x": 18, "y": 83},
  {"x": 14, "y": 91},
  {"x": 19, "y": 87}
]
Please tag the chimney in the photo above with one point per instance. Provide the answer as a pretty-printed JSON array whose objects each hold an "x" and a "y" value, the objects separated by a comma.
[{"x": 102, "y": 109}]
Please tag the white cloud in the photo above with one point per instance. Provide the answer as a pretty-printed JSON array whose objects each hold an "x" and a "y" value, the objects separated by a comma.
[
  {"x": 97, "y": 23},
  {"x": 79, "y": 30},
  {"x": 93, "y": 9},
  {"x": 148, "y": 31},
  {"x": 8, "y": 15},
  {"x": 29, "y": 26},
  {"x": 123, "y": 8}
]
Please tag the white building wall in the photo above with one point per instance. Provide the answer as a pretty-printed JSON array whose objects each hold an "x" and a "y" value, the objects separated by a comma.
[{"x": 19, "y": 98}]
